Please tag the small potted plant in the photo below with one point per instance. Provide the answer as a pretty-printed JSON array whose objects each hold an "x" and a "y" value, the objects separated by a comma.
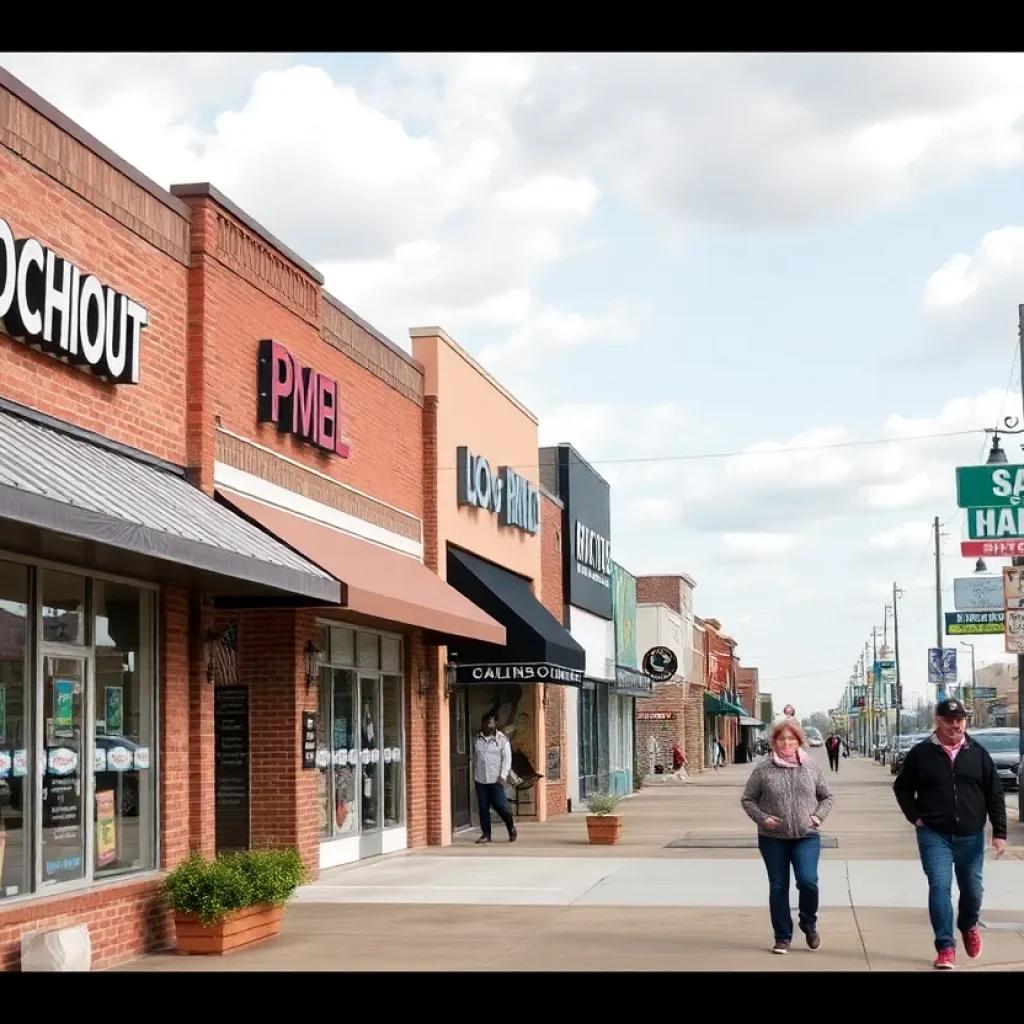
[
  {"x": 603, "y": 827},
  {"x": 234, "y": 901}
]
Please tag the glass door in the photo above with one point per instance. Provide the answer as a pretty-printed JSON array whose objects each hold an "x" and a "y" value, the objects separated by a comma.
[
  {"x": 63, "y": 775},
  {"x": 370, "y": 766}
]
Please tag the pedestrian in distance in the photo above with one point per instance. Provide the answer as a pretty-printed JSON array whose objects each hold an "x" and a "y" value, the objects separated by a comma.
[
  {"x": 679, "y": 764},
  {"x": 833, "y": 747},
  {"x": 492, "y": 764},
  {"x": 787, "y": 796},
  {"x": 947, "y": 789}
]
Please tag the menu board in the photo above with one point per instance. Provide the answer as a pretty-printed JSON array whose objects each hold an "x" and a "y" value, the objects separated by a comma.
[
  {"x": 231, "y": 784},
  {"x": 309, "y": 731}
]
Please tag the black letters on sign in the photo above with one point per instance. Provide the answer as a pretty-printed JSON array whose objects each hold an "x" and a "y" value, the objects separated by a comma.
[
  {"x": 231, "y": 786},
  {"x": 47, "y": 302}
]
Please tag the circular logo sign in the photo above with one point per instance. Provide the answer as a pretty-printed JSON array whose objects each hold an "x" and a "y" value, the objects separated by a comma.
[{"x": 660, "y": 663}]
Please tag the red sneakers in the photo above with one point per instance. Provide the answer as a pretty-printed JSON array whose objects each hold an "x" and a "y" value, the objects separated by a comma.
[
  {"x": 972, "y": 942},
  {"x": 946, "y": 960}
]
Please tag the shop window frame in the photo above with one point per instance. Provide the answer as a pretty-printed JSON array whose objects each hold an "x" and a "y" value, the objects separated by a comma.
[
  {"x": 329, "y": 663},
  {"x": 36, "y": 650}
]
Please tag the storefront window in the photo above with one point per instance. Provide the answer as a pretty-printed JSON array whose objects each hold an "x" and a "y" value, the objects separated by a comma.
[
  {"x": 88, "y": 810},
  {"x": 361, "y": 754},
  {"x": 14, "y": 730},
  {"x": 63, "y": 598},
  {"x": 124, "y": 695}
]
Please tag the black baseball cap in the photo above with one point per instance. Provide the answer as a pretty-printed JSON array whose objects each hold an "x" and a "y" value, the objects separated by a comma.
[{"x": 950, "y": 709}]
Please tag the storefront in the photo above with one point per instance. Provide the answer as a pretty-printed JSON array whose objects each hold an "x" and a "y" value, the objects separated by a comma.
[
  {"x": 111, "y": 560},
  {"x": 587, "y": 590},
  {"x": 632, "y": 687},
  {"x": 482, "y": 494}
]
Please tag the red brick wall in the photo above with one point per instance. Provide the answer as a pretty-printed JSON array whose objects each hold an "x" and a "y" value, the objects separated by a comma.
[
  {"x": 552, "y": 596},
  {"x": 668, "y": 698},
  {"x": 660, "y": 590},
  {"x": 89, "y": 228},
  {"x": 174, "y": 759},
  {"x": 232, "y": 311},
  {"x": 746, "y": 687}
]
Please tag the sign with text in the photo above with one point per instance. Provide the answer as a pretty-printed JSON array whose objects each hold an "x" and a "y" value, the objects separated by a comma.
[
  {"x": 309, "y": 731},
  {"x": 989, "y": 486},
  {"x": 1014, "y": 631},
  {"x": 48, "y": 303},
  {"x": 297, "y": 400},
  {"x": 535, "y": 672},
  {"x": 506, "y": 494},
  {"x": 977, "y": 593},
  {"x": 661, "y": 663},
  {"x": 942, "y": 666},
  {"x": 1013, "y": 586},
  {"x": 974, "y": 623},
  {"x": 655, "y": 716},
  {"x": 995, "y": 523},
  {"x": 631, "y": 682},
  {"x": 992, "y": 548},
  {"x": 231, "y": 779}
]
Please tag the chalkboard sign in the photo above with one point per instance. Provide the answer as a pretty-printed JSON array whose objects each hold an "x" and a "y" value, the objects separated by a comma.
[
  {"x": 231, "y": 786},
  {"x": 309, "y": 731}
]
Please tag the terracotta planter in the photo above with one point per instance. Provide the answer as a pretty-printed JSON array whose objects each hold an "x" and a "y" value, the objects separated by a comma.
[
  {"x": 238, "y": 930},
  {"x": 604, "y": 829}
]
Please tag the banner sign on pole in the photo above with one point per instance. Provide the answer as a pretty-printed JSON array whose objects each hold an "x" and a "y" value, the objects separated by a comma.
[{"x": 942, "y": 667}]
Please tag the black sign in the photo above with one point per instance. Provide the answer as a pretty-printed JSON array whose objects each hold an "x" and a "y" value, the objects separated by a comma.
[
  {"x": 47, "y": 302},
  {"x": 309, "y": 731},
  {"x": 661, "y": 663},
  {"x": 631, "y": 682},
  {"x": 231, "y": 785},
  {"x": 535, "y": 672},
  {"x": 510, "y": 496},
  {"x": 586, "y": 526}
]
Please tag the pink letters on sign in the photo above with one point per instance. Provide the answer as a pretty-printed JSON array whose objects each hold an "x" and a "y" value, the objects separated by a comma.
[{"x": 298, "y": 400}]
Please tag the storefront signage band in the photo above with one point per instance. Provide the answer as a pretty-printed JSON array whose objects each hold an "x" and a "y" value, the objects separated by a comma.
[
  {"x": 593, "y": 555},
  {"x": 511, "y": 497},
  {"x": 47, "y": 302},
  {"x": 519, "y": 673},
  {"x": 631, "y": 681},
  {"x": 298, "y": 400}
]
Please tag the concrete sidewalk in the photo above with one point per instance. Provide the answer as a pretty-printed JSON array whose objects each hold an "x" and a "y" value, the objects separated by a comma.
[{"x": 445, "y": 938}]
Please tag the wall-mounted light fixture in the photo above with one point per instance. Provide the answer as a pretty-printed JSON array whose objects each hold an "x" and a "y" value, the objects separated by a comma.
[
  {"x": 451, "y": 671},
  {"x": 314, "y": 658},
  {"x": 211, "y": 637}
]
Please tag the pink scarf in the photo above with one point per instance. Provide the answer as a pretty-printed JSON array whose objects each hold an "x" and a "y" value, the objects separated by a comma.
[{"x": 784, "y": 762}]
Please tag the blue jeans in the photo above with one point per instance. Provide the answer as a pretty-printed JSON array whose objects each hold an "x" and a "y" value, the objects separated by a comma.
[
  {"x": 778, "y": 856},
  {"x": 488, "y": 795},
  {"x": 941, "y": 856}
]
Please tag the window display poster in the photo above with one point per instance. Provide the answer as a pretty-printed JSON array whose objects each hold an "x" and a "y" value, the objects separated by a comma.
[
  {"x": 106, "y": 829},
  {"x": 64, "y": 708},
  {"x": 113, "y": 702},
  {"x": 3, "y": 714}
]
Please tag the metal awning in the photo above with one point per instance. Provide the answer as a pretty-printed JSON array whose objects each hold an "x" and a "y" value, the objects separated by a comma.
[
  {"x": 753, "y": 723},
  {"x": 721, "y": 707},
  {"x": 66, "y": 498}
]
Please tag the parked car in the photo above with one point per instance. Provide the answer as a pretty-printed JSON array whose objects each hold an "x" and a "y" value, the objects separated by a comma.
[
  {"x": 1004, "y": 746},
  {"x": 813, "y": 737},
  {"x": 901, "y": 746}
]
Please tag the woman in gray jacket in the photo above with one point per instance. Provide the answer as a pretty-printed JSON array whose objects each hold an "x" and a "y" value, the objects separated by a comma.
[{"x": 788, "y": 797}]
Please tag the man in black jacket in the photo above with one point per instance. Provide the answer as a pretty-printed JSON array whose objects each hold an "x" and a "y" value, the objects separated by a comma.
[{"x": 947, "y": 789}]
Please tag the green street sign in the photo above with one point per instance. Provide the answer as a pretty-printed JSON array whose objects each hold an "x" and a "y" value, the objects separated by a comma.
[
  {"x": 989, "y": 486},
  {"x": 995, "y": 523}
]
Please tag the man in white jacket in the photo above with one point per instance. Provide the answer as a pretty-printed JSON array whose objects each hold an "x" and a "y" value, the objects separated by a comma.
[{"x": 492, "y": 762}]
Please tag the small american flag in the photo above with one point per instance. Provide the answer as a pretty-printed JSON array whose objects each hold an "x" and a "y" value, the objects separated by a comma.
[{"x": 226, "y": 656}]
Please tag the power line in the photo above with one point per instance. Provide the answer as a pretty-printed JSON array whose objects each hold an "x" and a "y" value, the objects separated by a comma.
[{"x": 746, "y": 453}]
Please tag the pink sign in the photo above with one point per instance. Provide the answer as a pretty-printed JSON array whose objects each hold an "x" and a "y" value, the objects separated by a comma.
[{"x": 298, "y": 400}]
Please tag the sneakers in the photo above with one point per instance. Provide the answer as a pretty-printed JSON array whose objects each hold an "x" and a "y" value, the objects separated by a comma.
[
  {"x": 483, "y": 839},
  {"x": 946, "y": 960},
  {"x": 972, "y": 942},
  {"x": 780, "y": 948},
  {"x": 813, "y": 939}
]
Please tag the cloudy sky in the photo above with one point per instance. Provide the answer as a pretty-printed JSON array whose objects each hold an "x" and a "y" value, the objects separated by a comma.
[{"x": 715, "y": 275}]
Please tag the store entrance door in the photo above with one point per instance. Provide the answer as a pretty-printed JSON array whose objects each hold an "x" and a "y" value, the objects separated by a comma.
[
  {"x": 461, "y": 760},
  {"x": 371, "y": 842}
]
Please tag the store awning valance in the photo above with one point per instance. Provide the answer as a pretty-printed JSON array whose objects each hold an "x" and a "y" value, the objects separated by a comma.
[
  {"x": 376, "y": 582},
  {"x": 66, "y": 497},
  {"x": 753, "y": 723},
  {"x": 721, "y": 707},
  {"x": 538, "y": 648}
]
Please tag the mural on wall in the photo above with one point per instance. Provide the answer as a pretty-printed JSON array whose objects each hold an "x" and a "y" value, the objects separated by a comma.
[{"x": 624, "y": 615}]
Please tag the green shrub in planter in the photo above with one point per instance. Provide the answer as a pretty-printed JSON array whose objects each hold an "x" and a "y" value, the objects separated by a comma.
[
  {"x": 211, "y": 890},
  {"x": 602, "y": 804}
]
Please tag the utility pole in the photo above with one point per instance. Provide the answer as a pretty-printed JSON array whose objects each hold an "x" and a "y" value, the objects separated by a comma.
[
  {"x": 938, "y": 586},
  {"x": 875, "y": 687},
  {"x": 896, "y": 594}
]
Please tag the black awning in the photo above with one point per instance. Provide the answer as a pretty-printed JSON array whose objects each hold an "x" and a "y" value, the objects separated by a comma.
[{"x": 538, "y": 648}]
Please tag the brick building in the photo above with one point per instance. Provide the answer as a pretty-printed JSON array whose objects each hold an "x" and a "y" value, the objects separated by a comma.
[
  {"x": 555, "y": 729},
  {"x": 212, "y": 524},
  {"x": 721, "y": 718}
]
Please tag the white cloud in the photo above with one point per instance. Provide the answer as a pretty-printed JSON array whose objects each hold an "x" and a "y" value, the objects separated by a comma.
[
  {"x": 757, "y": 546},
  {"x": 910, "y": 535}
]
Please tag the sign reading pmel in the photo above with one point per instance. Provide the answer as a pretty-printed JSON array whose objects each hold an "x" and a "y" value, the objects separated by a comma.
[
  {"x": 48, "y": 303},
  {"x": 298, "y": 400}
]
